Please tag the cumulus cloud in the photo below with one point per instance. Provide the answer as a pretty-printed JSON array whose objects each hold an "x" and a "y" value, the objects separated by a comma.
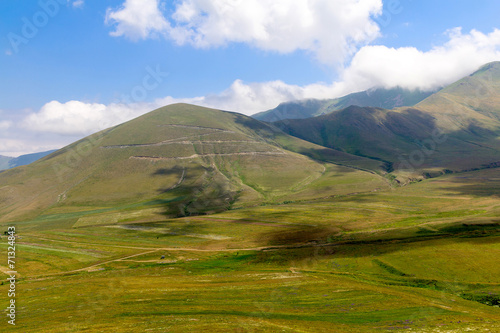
[
  {"x": 15, "y": 140},
  {"x": 372, "y": 66},
  {"x": 79, "y": 118},
  {"x": 137, "y": 19},
  {"x": 329, "y": 29},
  {"x": 408, "y": 67}
]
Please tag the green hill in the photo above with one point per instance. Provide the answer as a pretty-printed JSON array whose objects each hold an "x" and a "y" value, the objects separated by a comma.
[
  {"x": 383, "y": 98},
  {"x": 187, "y": 160},
  {"x": 454, "y": 129}
]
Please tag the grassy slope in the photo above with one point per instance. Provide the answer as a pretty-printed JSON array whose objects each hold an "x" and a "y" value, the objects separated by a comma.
[
  {"x": 422, "y": 257},
  {"x": 180, "y": 160},
  {"x": 473, "y": 97}
]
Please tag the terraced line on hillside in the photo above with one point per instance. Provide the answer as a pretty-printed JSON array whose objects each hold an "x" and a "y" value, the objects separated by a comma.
[
  {"x": 155, "y": 158},
  {"x": 174, "y": 142},
  {"x": 196, "y": 127}
]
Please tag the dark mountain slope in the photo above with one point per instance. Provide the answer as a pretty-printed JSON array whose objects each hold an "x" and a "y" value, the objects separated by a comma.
[{"x": 456, "y": 128}]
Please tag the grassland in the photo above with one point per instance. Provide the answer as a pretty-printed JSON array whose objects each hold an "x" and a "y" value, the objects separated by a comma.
[{"x": 419, "y": 258}]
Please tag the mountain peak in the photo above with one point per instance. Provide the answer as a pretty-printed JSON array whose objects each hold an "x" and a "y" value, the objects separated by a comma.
[{"x": 489, "y": 67}]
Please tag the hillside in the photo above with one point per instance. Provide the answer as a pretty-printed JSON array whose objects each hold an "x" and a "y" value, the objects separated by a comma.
[
  {"x": 470, "y": 102},
  {"x": 461, "y": 120},
  {"x": 186, "y": 160},
  {"x": 12, "y": 162},
  {"x": 382, "y": 98}
]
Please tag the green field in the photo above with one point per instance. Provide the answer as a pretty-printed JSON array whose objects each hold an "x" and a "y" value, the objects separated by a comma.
[{"x": 419, "y": 258}]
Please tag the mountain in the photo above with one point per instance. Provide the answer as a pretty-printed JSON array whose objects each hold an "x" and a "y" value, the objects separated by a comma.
[
  {"x": 186, "y": 160},
  {"x": 383, "y": 98},
  {"x": 4, "y": 162},
  {"x": 455, "y": 129},
  {"x": 12, "y": 162}
]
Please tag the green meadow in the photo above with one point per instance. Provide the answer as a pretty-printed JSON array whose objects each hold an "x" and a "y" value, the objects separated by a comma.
[{"x": 417, "y": 258}]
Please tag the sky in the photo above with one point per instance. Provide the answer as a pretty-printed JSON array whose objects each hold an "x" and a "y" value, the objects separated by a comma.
[{"x": 69, "y": 68}]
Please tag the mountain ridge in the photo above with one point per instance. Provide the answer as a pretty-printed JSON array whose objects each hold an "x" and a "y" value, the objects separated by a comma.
[
  {"x": 376, "y": 97},
  {"x": 466, "y": 113}
]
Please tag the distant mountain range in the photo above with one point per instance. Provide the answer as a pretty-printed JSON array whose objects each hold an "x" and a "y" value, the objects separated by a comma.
[
  {"x": 455, "y": 129},
  {"x": 382, "y": 98},
  {"x": 7, "y": 162}
]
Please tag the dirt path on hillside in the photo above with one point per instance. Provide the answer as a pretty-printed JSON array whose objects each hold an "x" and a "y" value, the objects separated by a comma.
[
  {"x": 89, "y": 268},
  {"x": 165, "y": 248},
  {"x": 152, "y": 158}
]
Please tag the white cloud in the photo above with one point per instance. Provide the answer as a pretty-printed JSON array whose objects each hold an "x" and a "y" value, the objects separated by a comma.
[
  {"x": 78, "y": 3},
  {"x": 11, "y": 148},
  {"x": 79, "y": 118},
  {"x": 27, "y": 143},
  {"x": 330, "y": 29},
  {"x": 373, "y": 66},
  {"x": 5, "y": 124},
  {"x": 411, "y": 68},
  {"x": 249, "y": 98},
  {"x": 137, "y": 19}
]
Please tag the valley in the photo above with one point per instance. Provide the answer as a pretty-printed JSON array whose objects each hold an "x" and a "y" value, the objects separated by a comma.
[{"x": 418, "y": 258}]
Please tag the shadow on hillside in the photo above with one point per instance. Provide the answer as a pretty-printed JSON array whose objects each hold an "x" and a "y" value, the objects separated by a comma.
[
  {"x": 195, "y": 193},
  {"x": 176, "y": 170},
  {"x": 482, "y": 183},
  {"x": 253, "y": 124},
  {"x": 407, "y": 139},
  {"x": 299, "y": 235},
  {"x": 178, "y": 227},
  {"x": 329, "y": 155},
  {"x": 309, "y": 244}
]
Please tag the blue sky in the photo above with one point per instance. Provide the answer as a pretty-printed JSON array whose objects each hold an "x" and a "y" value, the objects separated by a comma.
[{"x": 70, "y": 68}]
